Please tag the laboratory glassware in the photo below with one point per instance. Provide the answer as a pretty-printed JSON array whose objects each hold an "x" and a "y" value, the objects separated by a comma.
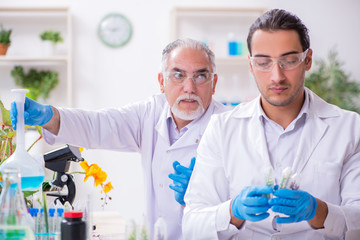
[
  {"x": 31, "y": 169},
  {"x": 15, "y": 221}
]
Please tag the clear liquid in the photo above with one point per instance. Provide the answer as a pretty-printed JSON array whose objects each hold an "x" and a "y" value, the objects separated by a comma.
[
  {"x": 31, "y": 183},
  {"x": 16, "y": 233}
]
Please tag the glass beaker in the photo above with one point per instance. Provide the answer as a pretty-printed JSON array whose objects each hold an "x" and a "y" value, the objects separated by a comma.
[
  {"x": 15, "y": 222},
  {"x": 31, "y": 169}
]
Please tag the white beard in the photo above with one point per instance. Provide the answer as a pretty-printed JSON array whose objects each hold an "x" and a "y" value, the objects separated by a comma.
[{"x": 184, "y": 115}]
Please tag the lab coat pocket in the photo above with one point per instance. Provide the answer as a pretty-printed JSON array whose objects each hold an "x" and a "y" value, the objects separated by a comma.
[
  {"x": 327, "y": 177},
  {"x": 328, "y": 168}
]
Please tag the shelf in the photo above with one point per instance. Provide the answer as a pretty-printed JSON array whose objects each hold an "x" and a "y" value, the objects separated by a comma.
[
  {"x": 33, "y": 9},
  {"x": 216, "y": 12},
  {"x": 33, "y": 59},
  {"x": 231, "y": 60},
  {"x": 28, "y": 20}
]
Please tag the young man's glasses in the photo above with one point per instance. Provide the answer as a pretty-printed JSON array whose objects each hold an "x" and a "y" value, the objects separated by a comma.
[
  {"x": 286, "y": 62},
  {"x": 198, "y": 78}
]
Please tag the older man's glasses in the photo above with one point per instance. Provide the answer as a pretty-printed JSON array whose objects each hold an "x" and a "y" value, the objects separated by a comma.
[
  {"x": 198, "y": 78},
  {"x": 286, "y": 62}
]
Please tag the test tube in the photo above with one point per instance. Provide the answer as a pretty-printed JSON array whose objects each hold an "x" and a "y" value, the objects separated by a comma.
[
  {"x": 37, "y": 223},
  {"x": 60, "y": 212},
  {"x": 52, "y": 223}
]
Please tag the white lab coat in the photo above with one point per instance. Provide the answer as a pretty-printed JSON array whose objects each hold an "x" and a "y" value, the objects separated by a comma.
[
  {"x": 140, "y": 127},
  {"x": 233, "y": 154}
]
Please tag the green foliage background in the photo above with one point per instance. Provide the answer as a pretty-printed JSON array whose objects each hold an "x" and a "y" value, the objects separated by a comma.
[
  {"x": 5, "y": 36},
  {"x": 329, "y": 80},
  {"x": 39, "y": 83},
  {"x": 52, "y": 36}
]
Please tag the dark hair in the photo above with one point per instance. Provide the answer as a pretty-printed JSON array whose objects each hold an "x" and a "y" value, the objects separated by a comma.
[{"x": 278, "y": 19}]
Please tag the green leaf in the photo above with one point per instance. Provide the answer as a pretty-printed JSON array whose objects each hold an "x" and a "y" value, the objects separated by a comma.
[
  {"x": 5, "y": 35},
  {"x": 39, "y": 83},
  {"x": 5, "y": 115},
  {"x": 52, "y": 36},
  {"x": 45, "y": 213},
  {"x": 330, "y": 81},
  {"x": 29, "y": 193}
]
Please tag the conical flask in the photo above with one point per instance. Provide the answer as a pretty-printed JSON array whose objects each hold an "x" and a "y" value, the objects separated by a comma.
[
  {"x": 31, "y": 170},
  {"x": 14, "y": 218}
]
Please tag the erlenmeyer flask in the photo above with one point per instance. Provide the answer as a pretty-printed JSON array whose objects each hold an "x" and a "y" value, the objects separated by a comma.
[
  {"x": 15, "y": 222},
  {"x": 31, "y": 169}
]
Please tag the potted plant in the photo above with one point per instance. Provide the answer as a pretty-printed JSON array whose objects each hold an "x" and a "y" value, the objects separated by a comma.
[
  {"x": 4, "y": 40},
  {"x": 330, "y": 81},
  {"x": 39, "y": 83},
  {"x": 52, "y": 37}
]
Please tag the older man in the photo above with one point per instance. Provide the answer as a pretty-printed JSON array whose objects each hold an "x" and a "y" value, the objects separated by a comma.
[{"x": 165, "y": 128}]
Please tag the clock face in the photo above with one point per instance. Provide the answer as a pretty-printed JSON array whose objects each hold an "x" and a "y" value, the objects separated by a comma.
[{"x": 114, "y": 30}]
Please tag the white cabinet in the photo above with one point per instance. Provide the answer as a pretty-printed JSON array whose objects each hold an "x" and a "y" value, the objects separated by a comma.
[
  {"x": 215, "y": 27},
  {"x": 29, "y": 51}
]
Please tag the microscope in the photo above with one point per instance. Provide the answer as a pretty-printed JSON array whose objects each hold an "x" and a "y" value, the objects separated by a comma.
[{"x": 59, "y": 160}]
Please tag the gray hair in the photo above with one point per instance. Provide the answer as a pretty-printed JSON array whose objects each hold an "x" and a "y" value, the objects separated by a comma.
[{"x": 186, "y": 43}]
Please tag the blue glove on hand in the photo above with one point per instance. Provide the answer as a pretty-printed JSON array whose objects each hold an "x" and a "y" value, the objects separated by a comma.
[
  {"x": 181, "y": 178},
  {"x": 299, "y": 205},
  {"x": 251, "y": 204},
  {"x": 34, "y": 113}
]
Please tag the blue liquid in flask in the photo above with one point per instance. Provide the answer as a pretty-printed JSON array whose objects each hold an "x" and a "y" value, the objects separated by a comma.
[{"x": 31, "y": 183}]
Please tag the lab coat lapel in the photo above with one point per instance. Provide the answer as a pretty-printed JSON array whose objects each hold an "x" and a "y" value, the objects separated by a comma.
[
  {"x": 256, "y": 134},
  {"x": 313, "y": 131},
  {"x": 162, "y": 128},
  {"x": 310, "y": 137},
  {"x": 259, "y": 141}
]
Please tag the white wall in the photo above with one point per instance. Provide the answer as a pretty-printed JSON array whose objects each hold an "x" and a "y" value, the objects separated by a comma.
[{"x": 105, "y": 77}]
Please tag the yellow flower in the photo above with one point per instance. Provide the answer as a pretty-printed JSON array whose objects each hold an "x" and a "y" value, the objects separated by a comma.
[
  {"x": 100, "y": 177},
  {"x": 84, "y": 165},
  {"x": 107, "y": 187},
  {"x": 94, "y": 171}
]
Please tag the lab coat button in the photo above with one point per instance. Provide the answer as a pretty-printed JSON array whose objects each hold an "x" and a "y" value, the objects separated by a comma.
[{"x": 160, "y": 185}]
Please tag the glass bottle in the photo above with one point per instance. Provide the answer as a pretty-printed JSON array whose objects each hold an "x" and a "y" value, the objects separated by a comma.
[{"x": 15, "y": 222}]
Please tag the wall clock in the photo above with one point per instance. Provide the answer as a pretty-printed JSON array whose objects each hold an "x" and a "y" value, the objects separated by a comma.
[{"x": 115, "y": 30}]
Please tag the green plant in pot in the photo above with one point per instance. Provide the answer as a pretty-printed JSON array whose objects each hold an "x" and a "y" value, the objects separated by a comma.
[
  {"x": 39, "y": 83},
  {"x": 52, "y": 37},
  {"x": 4, "y": 40},
  {"x": 329, "y": 80}
]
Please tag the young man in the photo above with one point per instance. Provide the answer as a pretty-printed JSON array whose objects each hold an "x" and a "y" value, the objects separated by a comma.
[
  {"x": 286, "y": 126},
  {"x": 163, "y": 129}
]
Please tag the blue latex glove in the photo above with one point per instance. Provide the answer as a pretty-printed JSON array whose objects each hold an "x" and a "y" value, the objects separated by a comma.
[
  {"x": 34, "y": 113},
  {"x": 251, "y": 204},
  {"x": 299, "y": 205},
  {"x": 181, "y": 178}
]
